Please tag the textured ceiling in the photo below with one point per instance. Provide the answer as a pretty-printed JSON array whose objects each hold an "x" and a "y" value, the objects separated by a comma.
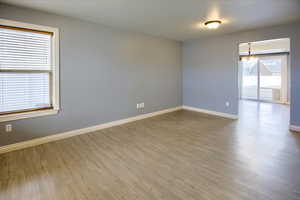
[{"x": 173, "y": 19}]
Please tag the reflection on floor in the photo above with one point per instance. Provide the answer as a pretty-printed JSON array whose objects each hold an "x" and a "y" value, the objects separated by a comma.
[{"x": 264, "y": 116}]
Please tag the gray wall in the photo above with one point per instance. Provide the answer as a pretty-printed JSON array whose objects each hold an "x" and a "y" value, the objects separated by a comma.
[
  {"x": 210, "y": 69},
  {"x": 104, "y": 73}
]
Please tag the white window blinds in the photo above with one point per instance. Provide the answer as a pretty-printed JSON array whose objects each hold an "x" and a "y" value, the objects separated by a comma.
[{"x": 25, "y": 70}]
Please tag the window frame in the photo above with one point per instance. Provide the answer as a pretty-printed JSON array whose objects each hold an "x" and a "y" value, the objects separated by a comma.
[{"x": 54, "y": 79}]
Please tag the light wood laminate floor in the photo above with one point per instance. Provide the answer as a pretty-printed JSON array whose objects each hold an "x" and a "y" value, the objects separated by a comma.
[{"x": 182, "y": 155}]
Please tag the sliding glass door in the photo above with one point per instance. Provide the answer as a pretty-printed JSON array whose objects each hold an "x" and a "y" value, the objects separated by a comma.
[
  {"x": 264, "y": 78},
  {"x": 249, "y": 79}
]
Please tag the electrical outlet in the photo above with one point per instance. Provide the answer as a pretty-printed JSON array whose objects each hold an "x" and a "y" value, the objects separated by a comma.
[
  {"x": 8, "y": 128},
  {"x": 227, "y": 104},
  {"x": 140, "y": 105}
]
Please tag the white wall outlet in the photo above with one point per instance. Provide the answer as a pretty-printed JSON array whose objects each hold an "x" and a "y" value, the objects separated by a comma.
[
  {"x": 227, "y": 104},
  {"x": 8, "y": 128},
  {"x": 140, "y": 105}
]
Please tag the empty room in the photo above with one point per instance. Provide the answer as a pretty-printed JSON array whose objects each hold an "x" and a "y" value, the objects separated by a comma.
[{"x": 161, "y": 99}]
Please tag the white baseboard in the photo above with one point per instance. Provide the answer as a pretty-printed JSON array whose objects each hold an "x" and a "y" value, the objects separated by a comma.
[
  {"x": 295, "y": 128},
  {"x": 59, "y": 136},
  {"x": 220, "y": 114}
]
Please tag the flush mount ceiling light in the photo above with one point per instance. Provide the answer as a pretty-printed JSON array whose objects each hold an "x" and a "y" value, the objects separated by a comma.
[{"x": 213, "y": 24}]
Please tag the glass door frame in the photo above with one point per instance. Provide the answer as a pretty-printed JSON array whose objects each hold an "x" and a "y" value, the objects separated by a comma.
[
  {"x": 284, "y": 80},
  {"x": 241, "y": 76}
]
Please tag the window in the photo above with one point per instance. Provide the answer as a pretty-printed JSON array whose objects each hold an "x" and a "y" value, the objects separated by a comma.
[{"x": 28, "y": 70}]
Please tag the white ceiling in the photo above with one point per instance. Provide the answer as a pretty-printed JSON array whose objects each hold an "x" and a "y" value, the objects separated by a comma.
[{"x": 174, "y": 19}]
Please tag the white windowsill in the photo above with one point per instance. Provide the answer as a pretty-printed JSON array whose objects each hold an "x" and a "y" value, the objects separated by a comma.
[{"x": 17, "y": 116}]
